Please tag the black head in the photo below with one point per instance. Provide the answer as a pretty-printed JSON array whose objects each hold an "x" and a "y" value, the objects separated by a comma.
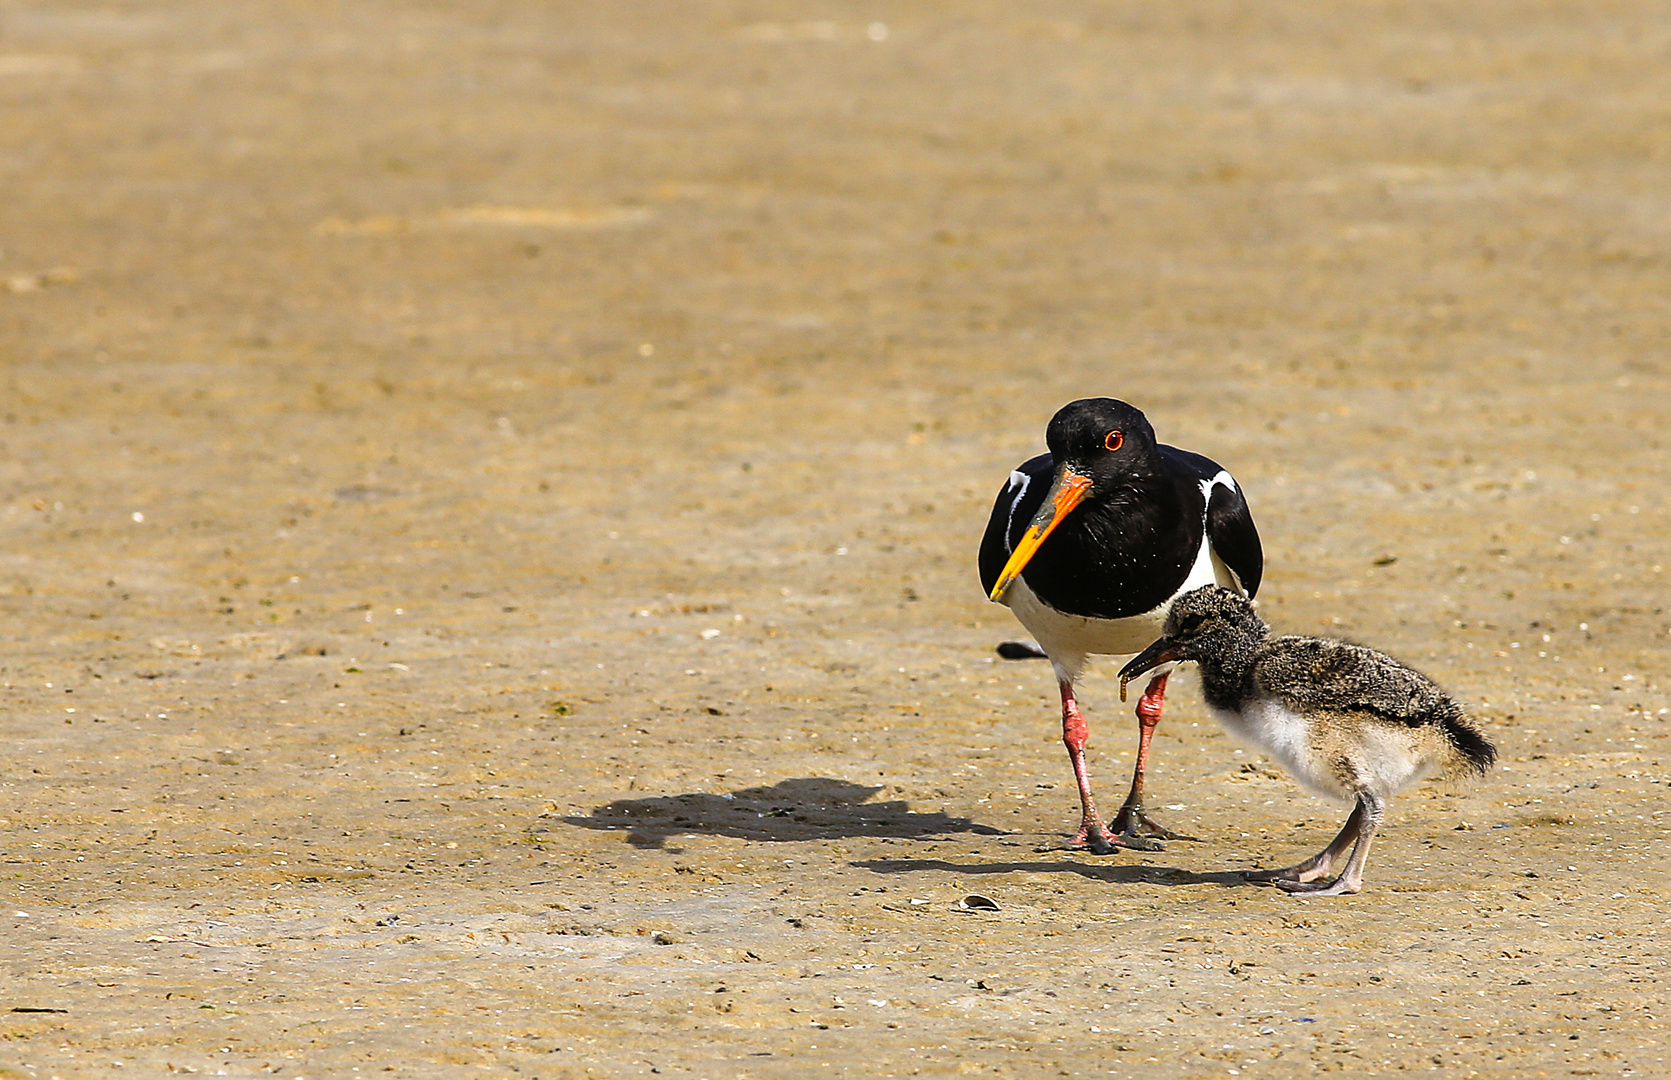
[
  {"x": 1100, "y": 438},
  {"x": 1201, "y": 621},
  {"x": 1101, "y": 448}
]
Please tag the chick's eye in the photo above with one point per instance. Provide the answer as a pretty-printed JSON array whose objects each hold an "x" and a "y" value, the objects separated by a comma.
[{"x": 1114, "y": 440}]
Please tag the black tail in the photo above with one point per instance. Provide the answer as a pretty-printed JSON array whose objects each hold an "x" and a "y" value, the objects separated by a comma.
[
  {"x": 1475, "y": 749},
  {"x": 1020, "y": 650}
]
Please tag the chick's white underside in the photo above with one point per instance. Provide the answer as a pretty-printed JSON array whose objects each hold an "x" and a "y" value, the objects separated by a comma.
[{"x": 1385, "y": 759}]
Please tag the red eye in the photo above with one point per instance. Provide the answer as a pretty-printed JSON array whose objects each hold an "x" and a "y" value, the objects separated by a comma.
[{"x": 1115, "y": 440}]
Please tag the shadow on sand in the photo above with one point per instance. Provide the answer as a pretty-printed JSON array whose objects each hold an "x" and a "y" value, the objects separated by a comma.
[
  {"x": 808, "y": 808},
  {"x": 1114, "y": 874}
]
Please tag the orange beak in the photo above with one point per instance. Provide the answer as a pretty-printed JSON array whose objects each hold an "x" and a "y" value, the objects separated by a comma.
[{"x": 1065, "y": 494}]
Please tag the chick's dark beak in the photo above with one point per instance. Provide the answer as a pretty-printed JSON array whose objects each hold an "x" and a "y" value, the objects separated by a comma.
[{"x": 1163, "y": 650}]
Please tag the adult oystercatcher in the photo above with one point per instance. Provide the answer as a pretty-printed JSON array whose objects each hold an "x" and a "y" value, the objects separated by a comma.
[
  {"x": 1089, "y": 544},
  {"x": 1349, "y": 722}
]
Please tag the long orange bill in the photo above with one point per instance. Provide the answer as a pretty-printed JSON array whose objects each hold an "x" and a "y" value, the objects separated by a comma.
[{"x": 1065, "y": 494}]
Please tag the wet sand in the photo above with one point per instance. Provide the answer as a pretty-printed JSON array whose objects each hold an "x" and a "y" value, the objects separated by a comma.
[{"x": 490, "y": 496}]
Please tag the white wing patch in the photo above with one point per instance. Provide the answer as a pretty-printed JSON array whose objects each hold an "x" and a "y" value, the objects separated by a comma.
[
  {"x": 1019, "y": 482},
  {"x": 1222, "y": 573},
  {"x": 1207, "y": 487}
]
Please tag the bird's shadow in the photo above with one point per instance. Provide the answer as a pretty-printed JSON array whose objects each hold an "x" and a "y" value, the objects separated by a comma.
[
  {"x": 1113, "y": 873},
  {"x": 806, "y": 808}
]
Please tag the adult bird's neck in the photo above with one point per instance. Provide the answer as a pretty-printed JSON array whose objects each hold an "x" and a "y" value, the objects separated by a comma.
[
  {"x": 1140, "y": 520},
  {"x": 1145, "y": 501}
]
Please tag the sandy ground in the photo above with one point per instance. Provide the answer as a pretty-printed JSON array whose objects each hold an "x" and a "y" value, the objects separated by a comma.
[{"x": 490, "y": 493}]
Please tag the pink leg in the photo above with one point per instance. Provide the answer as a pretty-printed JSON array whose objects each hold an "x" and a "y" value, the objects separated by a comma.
[
  {"x": 1319, "y": 864},
  {"x": 1351, "y": 878},
  {"x": 1092, "y": 834},
  {"x": 1133, "y": 827}
]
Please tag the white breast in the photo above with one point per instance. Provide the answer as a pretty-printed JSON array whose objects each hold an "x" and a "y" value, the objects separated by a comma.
[{"x": 1069, "y": 639}]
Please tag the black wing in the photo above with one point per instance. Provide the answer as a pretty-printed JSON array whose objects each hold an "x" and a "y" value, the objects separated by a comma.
[
  {"x": 1229, "y": 522},
  {"x": 1230, "y": 530},
  {"x": 1018, "y": 501}
]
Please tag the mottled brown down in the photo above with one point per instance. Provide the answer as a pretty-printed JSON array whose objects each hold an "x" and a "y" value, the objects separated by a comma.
[{"x": 1349, "y": 722}]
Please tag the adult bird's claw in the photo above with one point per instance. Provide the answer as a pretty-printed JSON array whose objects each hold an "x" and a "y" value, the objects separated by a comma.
[
  {"x": 1093, "y": 836},
  {"x": 1095, "y": 841},
  {"x": 1108, "y": 841},
  {"x": 1138, "y": 830}
]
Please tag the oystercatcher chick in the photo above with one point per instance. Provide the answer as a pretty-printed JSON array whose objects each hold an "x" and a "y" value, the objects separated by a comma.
[
  {"x": 1089, "y": 544},
  {"x": 1350, "y": 723}
]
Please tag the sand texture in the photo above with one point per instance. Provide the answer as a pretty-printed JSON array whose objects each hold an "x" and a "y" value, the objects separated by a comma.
[{"x": 490, "y": 489}]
